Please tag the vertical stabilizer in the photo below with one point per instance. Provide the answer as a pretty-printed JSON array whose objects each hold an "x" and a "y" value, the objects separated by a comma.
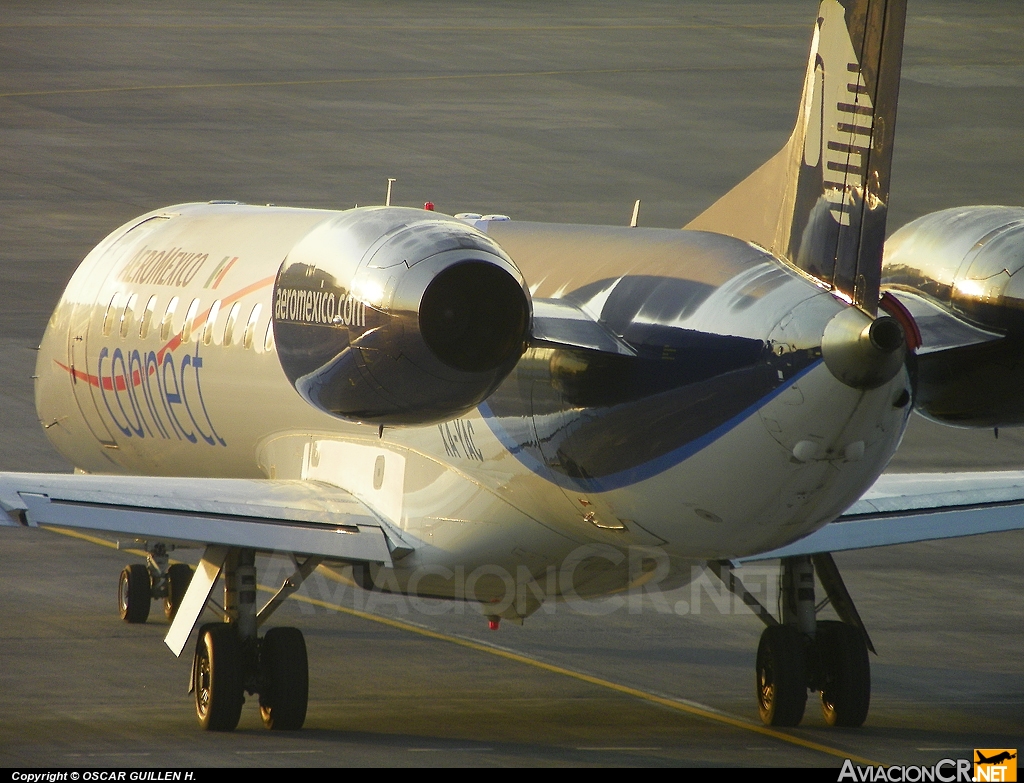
[{"x": 821, "y": 202}]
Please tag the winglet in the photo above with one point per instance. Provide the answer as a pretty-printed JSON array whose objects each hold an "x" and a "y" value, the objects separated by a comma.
[{"x": 821, "y": 202}]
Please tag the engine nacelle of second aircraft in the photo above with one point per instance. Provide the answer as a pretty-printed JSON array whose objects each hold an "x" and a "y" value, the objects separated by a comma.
[
  {"x": 398, "y": 316},
  {"x": 968, "y": 261}
]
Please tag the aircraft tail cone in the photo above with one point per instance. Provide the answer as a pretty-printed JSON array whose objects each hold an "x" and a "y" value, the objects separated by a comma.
[{"x": 863, "y": 352}]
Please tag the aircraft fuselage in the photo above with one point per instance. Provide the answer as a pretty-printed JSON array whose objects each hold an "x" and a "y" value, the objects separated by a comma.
[{"x": 719, "y": 433}]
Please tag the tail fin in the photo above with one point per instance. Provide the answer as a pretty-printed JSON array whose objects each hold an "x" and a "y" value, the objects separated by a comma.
[{"x": 821, "y": 202}]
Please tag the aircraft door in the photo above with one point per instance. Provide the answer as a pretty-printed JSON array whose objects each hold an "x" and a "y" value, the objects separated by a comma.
[{"x": 83, "y": 373}]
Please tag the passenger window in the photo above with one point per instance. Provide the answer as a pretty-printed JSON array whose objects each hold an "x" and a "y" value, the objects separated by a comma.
[
  {"x": 229, "y": 324},
  {"x": 128, "y": 314},
  {"x": 147, "y": 318},
  {"x": 268, "y": 341},
  {"x": 211, "y": 320},
  {"x": 108, "y": 317},
  {"x": 250, "y": 327},
  {"x": 165, "y": 322},
  {"x": 189, "y": 322}
]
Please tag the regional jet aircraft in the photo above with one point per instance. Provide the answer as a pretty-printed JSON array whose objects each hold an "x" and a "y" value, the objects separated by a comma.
[{"x": 418, "y": 397}]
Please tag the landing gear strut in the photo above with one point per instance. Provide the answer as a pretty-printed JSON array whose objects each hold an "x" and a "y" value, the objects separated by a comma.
[{"x": 802, "y": 653}]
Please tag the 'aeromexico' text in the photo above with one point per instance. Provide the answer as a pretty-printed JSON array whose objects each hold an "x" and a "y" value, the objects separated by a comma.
[
  {"x": 319, "y": 307},
  {"x": 174, "y": 267}
]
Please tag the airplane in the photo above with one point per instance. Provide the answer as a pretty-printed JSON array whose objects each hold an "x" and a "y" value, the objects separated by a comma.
[
  {"x": 996, "y": 759},
  {"x": 505, "y": 413}
]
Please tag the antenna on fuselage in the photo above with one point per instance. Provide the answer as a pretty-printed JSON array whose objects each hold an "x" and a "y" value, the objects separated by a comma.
[
  {"x": 636, "y": 215},
  {"x": 387, "y": 198}
]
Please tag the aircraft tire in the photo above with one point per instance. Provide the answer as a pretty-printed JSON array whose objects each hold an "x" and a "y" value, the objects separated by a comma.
[
  {"x": 133, "y": 594},
  {"x": 217, "y": 677},
  {"x": 179, "y": 576},
  {"x": 781, "y": 676},
  {"x": 286, "y": 666},
  {"x": 846, "y": 689}
]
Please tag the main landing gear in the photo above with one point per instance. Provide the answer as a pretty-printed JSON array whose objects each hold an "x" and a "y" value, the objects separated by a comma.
[
  {"x": 140, "y": 584},
  {"x": 230, "y": 658},
  {"x": 803, "y": 653},
  {"x": 226, "y": 666}
]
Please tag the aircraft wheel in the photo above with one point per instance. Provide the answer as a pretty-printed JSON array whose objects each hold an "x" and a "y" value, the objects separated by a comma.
[
  {"x": 846, "y": 687},
  {"x": 781, "y": 676},
  {"x": 133, "y": 594},
  {"x": 286, "y": 667},
  {"x": 217, "y": 677},
  {"x": 179, "y": 576}
]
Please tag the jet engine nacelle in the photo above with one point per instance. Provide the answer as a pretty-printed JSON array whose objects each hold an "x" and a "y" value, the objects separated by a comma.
[
  {"x": 968, "y": 261},
  {"x": 965, "y": 259},
  {"x": 398, "y": 316}
]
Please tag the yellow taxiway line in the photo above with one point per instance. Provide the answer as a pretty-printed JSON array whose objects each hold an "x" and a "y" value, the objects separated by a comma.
[{"x": 626, "y": 690}]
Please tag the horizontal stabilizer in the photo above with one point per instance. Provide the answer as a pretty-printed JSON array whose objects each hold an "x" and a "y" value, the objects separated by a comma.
[{"x": 940, "y": 329}]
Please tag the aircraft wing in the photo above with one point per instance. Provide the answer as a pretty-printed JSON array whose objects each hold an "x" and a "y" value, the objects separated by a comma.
[
  {"x": 901, "y": 508},
  {"x": 301, "y": 517}
]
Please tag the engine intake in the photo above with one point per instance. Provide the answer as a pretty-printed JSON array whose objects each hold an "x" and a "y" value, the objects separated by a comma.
[
  {"x": 472, "y": 316},
  {"x": 398, "y": 316}
]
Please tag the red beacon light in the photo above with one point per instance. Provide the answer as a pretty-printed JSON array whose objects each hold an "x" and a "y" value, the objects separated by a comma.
[{"x": 429, "y": 206}]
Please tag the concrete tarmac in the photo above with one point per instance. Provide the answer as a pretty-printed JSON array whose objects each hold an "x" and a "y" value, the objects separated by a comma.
[{"x": 564, "y": 112}]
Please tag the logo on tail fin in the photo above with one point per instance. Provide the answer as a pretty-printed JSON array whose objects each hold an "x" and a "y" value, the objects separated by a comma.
[{"x": 838, "y": 113}]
